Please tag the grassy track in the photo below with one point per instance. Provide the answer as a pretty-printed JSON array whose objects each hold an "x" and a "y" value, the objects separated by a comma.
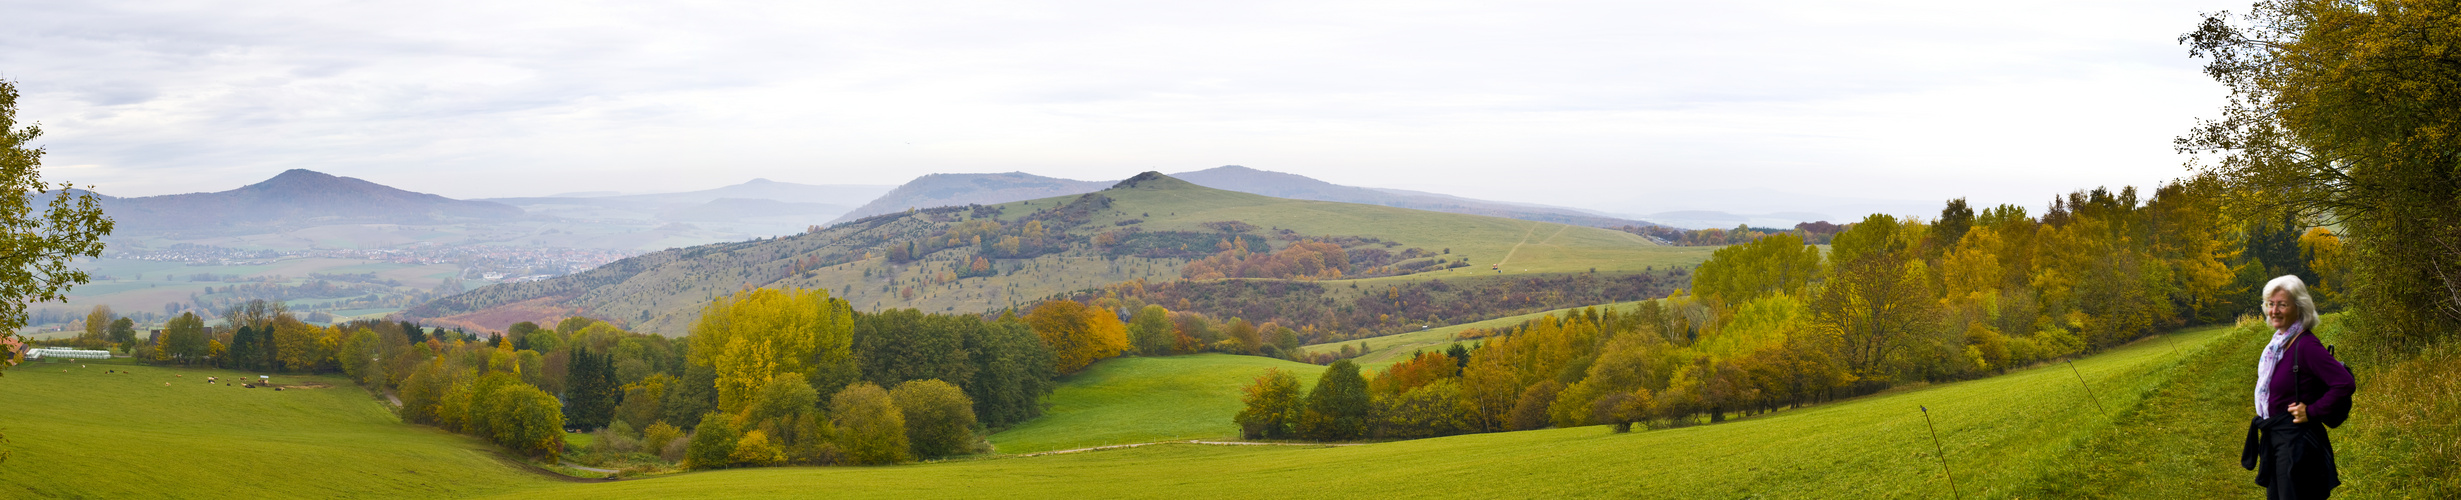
[
  {"x": 85, "y": 433},
  {"x": 1142, "y": 400}
]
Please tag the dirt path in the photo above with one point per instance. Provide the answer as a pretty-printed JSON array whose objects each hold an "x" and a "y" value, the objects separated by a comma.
[
  {"x": 1516, "y": 246},
  {"x": 1525, "y": 239}
]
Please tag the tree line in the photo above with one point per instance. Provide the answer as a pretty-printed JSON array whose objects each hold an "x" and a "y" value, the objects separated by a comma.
[{"x": 1776, "y": 323}]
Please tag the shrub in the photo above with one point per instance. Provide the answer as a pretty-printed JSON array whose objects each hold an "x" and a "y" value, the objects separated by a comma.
[
  {"x": 755, "y": 450},
  {"x": 658, "y": 436},
  {"x": 870, "y": 429},
  {"x": 939, "y": 418},
  {"x": 713, "y": 443}
]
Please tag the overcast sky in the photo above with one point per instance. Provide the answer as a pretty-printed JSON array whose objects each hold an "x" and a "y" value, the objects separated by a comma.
[{"x": 1630, "y": 107}]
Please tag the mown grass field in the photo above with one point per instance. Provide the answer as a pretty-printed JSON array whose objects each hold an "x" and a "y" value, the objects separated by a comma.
[
  {"x": 87, "y": 433},
  {"x": 1143, "y": 400},
  {"x": 2175, "y": 405}
]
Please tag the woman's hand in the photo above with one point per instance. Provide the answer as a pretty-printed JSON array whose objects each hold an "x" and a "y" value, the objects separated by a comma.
[{"x": 2298, "y": 413}]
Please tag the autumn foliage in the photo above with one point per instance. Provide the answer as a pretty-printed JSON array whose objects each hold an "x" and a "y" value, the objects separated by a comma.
[{"x": 1077, "y": 335}]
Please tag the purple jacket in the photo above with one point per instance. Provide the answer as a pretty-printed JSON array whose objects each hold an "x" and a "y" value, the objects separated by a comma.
[{"x": 2322, "y": 382}]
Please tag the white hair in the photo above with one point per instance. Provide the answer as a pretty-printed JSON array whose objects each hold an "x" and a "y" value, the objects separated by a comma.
[{"x": 2298, "y": 297}]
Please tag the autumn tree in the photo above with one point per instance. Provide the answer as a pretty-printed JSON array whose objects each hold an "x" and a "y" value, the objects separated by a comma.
[
  {"x": 1077, "y": 335},
  {"x": 2346, "y": 112},
  {"x": 756, "y": 335},
  {"x": 1274, "y": 403},
  {"x": 37, "y": 246}
]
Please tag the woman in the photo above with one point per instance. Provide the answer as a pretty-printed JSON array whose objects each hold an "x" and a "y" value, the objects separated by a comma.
[{"x": 2300, "y": 389}]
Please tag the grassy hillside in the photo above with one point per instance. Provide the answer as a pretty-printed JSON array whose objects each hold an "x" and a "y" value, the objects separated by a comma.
[
  {"x": 2175, "y": 406},
  {"x": 2009, "y": 436},
  {"x": 75, "y": 430},
  {"x": 1386, "y": 350},
  {"x": 1142, "y": 400},
  {"x": 663, "y": 291}
]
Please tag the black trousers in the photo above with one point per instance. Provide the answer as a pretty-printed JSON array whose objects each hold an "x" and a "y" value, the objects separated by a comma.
[{"x": 2292, "y": 460}]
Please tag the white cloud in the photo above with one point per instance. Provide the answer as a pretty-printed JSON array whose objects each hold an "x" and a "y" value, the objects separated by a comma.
[{"x": 1624, "y": 106}]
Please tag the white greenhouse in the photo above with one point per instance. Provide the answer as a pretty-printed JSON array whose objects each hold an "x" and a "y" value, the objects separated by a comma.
[{"x": 40, "y": 353}]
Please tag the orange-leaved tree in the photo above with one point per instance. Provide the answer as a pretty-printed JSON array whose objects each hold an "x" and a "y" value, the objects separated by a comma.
[{"x": 1078, "y": 335}]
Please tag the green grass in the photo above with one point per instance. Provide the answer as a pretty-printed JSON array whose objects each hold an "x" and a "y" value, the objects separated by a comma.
[
  {"x": 2005, "y": 437},
  {"x": 2175, "y": 405},
  {"x": 1141, "y": 400},
  {"x": 87, "y": 433},
  {"x": 1386, "y": 350}
]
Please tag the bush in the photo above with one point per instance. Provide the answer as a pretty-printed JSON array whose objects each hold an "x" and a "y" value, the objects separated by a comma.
[
  {"x": 939, "y": 418},
  {"x": 713, "y": 444},
  {"x": 870, "y": 429},
  {"x": 755, "y": 450},
  {"x": 658, "y": 436}
]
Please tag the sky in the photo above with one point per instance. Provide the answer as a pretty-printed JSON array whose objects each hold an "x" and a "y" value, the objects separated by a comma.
[{"x": 1837, "y": 108}]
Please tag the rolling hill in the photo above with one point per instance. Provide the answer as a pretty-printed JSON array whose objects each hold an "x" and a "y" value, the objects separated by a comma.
[
  {"x": 1287, "y": 185},
  {"x": 295, "y": 198},
  {"x": 1157, "y": 224},
  {"x": 945, "y": 190}
]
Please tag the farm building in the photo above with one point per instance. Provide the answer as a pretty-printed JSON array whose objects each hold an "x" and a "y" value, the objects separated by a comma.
[{"x": 45, "y": 352}]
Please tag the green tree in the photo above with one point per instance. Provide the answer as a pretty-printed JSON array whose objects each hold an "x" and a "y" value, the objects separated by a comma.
[
  {"x": 183, "y": 340},
  {"x": 782, "y": 400},
  {"x": 590, "y": 387},
  {"x": 713, "y": 443},
  {"x": 1273, "y": 406},
  {"x": 123, "y": 333},
  {"x": 939, "y": 418},
  {"x": 36, "y": 247},
  {"x": 2348, "y": 112},
  {"x": 694, "y": 395},
  {"x": 1150, "y": 330},
  {"x": 1337, "y": 410},
  {"x": 358, "y": 356},
  {"x": 870, "y": 428}
]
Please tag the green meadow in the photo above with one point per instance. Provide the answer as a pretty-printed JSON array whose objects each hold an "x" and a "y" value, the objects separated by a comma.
[
  {"x": 81, "y": 431},
  {"x": 2166, "y": 425},
  {"x": 1142, "y": 400}
]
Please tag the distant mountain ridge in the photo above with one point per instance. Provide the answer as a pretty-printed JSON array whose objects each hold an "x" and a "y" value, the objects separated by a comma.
[
  {"x": 757, "y": 189},
  {"x": 942, "y": 190},
  {"x": 296, "y": 196},
  {"x": 1295, "y": 186},
  {"x": 945, "y": 190}
]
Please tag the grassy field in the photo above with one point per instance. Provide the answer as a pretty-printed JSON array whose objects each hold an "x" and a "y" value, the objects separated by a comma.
[
  {"x": 2174, "y": 410},
  {"x": 1386, "y": 350},
  {"x": 1141, "y": 400},
  {"x": 2008, "y": 436},
  {"x": 78, "y": 431}
]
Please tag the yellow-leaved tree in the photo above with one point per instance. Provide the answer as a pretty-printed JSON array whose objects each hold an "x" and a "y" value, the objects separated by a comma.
[
  {"x": 1078, "y": 335},
  {"x": 752, "y": 337}
]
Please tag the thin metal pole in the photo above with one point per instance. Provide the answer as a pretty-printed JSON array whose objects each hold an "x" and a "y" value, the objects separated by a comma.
[
  {"x": 1943, "y": 453},
  {"x": 2089, "y": 389}
]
